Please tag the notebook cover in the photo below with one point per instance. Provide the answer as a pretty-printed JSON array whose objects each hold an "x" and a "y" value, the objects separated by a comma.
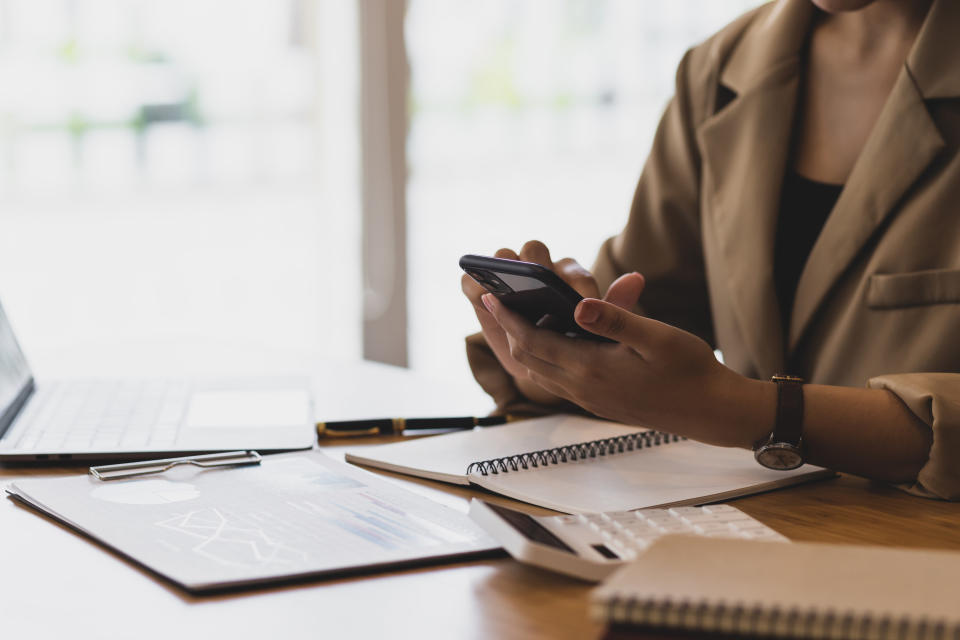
[{"x": 793, "y": 590}]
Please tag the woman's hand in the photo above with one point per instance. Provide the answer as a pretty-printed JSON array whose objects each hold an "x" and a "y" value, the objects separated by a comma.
[
  {"x": 658, "y": 376},
  {"x": 625, "y": 294}
]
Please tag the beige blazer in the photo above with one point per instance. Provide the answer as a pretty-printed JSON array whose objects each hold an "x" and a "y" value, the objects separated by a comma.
[{"x": 878, "y": 302}]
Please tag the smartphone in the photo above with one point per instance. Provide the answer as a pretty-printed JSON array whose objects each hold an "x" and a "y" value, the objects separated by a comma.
[{"x": 533, "y": 291}]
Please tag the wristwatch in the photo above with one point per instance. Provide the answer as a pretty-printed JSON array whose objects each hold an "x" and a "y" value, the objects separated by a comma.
[{"x": 783, "y": 449}]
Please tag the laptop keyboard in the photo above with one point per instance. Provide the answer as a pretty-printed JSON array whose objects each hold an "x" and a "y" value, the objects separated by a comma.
[{"x": 102, "y": 415}]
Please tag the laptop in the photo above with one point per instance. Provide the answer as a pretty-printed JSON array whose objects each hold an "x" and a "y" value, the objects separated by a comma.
[{"x": 131, "y": 419}]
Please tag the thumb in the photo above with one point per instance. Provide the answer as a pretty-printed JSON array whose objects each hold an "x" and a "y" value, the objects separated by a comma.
[
  {"x": 610, "y": 321},
  {"x": 625, "y": 290}
]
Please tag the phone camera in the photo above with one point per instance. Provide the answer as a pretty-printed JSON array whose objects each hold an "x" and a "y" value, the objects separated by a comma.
[
  {"x": 490, "y": 281},
  {"x": 497, "y": 285},
  {"x": 479, "y": 276}
]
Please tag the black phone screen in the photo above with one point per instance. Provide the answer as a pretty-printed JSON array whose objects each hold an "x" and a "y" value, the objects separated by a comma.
[{"x": 533, "y": 291}]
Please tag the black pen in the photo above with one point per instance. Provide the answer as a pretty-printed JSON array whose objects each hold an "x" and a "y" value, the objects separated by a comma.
[{"x": 397, "y": 426}]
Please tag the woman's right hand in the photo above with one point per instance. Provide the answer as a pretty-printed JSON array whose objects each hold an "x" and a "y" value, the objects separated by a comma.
[{"x": 624, "y": 293}]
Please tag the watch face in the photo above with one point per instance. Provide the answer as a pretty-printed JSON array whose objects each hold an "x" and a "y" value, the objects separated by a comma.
[{"x": 780, "y": 456}]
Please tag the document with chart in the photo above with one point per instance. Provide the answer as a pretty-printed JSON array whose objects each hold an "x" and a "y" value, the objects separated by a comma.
[{"x": 293, "y": 516}]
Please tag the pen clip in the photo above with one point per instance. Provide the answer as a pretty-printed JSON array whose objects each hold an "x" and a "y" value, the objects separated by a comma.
[
  {"x": 360, "y": 428},
  {"x": 333, "y": 432},
  {"x": 109, "y": 472}
]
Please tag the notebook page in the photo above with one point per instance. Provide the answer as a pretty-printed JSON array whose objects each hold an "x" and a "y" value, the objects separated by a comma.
[
  {"x": 446, "y": 457},
  {"x": 684, "y": 472}
]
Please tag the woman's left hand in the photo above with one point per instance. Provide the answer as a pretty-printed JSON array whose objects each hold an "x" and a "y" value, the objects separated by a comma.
[{"x": 656, "y": 376}]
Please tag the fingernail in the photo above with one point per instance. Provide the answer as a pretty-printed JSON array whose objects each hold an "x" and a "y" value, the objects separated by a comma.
[
  {"x": 487, "y": 300},
  {"x": 587, "y": 313}
]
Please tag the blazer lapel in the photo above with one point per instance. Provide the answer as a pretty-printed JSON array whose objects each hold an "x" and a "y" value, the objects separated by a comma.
[
  {"x": 903, "y": 143},
  {"x": 745, "y": 151},
  {"x": 745, "y": 148}
]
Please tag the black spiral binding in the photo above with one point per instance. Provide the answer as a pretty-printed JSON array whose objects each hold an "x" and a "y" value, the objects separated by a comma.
[
  {"x": 572, "y": 452},
  {"x": 738, "y": 619}
]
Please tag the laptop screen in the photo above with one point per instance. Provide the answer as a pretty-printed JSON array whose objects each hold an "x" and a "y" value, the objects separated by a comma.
[{"x": 15, "y": 375}]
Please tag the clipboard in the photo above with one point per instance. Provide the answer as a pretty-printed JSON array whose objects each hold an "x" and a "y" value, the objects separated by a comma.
[{"x": 233, "y": 520}]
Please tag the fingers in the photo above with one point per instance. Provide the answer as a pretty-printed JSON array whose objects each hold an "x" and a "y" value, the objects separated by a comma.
[
  {"x": 544, "y": 374},
  {"x": 517, "y": 362},
  {"x": 535, "y": 251},
  {"x": 625, "y": 290},
  {"x": 494, "y": 334},
  {"x": 472, "y": 290},
  {"x": 544, "y": 345},
  {"x": 497, "y": 341},
  {"x": 567, "y": 268},
  {"x": 611, "y": 321},
  {"x": 577, "y": 277}
]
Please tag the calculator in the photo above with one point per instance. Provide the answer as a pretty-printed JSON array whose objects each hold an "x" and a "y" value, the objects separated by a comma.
[{"x": 591, "y": 546}]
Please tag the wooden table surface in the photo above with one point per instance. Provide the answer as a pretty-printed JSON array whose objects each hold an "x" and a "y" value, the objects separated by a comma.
[{"x": 55, "y": 583}]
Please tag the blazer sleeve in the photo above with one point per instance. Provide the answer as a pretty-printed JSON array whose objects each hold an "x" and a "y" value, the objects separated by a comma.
[
  {"x": 935, "y": 399},
  {"x": 661, "y": 239}
]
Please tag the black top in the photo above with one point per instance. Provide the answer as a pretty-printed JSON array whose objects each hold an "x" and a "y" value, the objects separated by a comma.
[{"x": 804, "y": 207}]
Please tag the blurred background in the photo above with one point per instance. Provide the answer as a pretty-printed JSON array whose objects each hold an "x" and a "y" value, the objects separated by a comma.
[{"x": 259, "y": 183}]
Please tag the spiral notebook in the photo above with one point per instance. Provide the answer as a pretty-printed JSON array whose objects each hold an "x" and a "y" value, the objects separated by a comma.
[
  {"x": 797, "y": 590},
  {"x": 581, "y": 465}
]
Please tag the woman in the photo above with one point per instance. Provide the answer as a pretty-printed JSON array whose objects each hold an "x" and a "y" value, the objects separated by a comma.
[{"x": 800, "y": 211}]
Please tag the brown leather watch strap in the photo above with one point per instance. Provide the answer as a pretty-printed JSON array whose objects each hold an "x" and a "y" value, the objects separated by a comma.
[{"x": 789, "y": 425}]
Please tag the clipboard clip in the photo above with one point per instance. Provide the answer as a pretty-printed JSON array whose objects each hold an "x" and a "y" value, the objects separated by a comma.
[{"x": 109, "y": 472}]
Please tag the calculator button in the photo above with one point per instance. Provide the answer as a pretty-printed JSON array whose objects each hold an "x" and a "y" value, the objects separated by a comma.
[
  {"x": 659, "y": 520},
  {"x": 721, "y": 508},
  {"x": 622, "y": 516},
  {"x": 715, "y": 517},
  {"x": 642, "y": 529},
  {"x": 761, "y": 534},
  {"x": 753, "y": 528},
  {"x": 642, "y": 542},
  {"x": 713, "y": 527},
  {"x": 626, "y": 549}
]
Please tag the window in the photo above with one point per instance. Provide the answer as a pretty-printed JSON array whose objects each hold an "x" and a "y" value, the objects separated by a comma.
[
  {"x": 186, "y": 173},
  {"x": 180, "y": 173},
  {"x": 531, "y": 119}
]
